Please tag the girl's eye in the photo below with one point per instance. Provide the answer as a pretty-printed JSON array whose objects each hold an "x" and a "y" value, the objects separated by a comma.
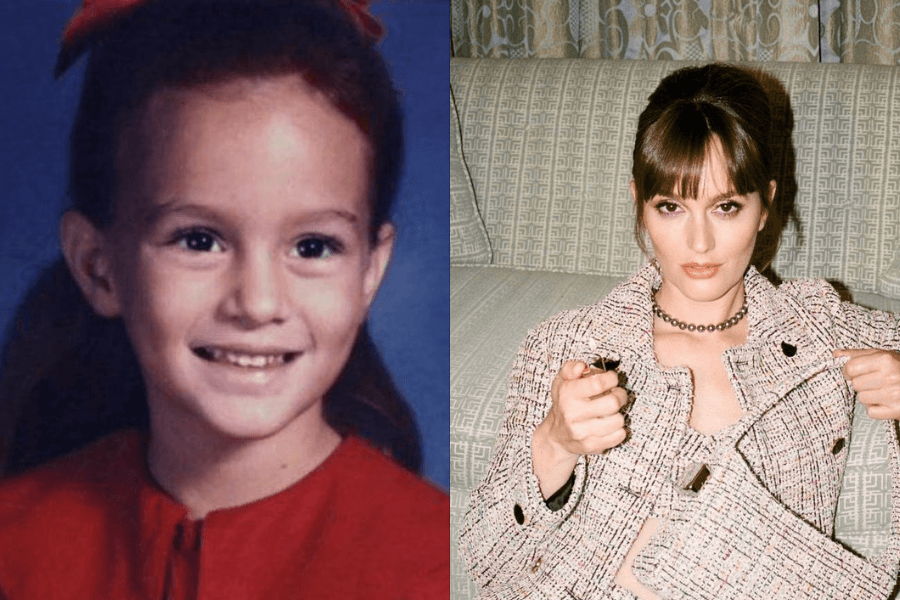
[
  {"x": 198, "y": 240},
  {"x": 317, "y": 247}
]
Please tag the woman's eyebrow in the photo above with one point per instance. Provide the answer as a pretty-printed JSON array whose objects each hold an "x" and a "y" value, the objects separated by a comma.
[{"x": 723, "y": 196}]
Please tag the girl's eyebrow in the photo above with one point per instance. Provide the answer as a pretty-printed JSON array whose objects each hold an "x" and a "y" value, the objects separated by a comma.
[{"x": 156, "y": 212}]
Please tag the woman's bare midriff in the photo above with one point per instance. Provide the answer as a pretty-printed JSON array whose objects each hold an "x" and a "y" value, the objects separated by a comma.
[
  {"x": 713, "y": 408},
  {"x": 625, "y": 578}
]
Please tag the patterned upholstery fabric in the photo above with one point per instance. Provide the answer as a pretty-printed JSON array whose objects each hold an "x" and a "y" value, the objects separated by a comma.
[
  {"x": 468, "y": 240},
  {"x": 547, "y": 145}
]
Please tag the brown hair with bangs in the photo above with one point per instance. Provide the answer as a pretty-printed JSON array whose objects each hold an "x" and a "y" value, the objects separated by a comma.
[{"x": 689, "y": 110}]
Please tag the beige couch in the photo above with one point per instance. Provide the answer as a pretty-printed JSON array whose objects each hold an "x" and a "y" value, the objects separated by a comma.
[{"x": 541, "y": 220}]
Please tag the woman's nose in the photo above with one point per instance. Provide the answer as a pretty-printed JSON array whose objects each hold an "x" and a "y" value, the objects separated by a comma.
[
  {"x": 257, "y": 296},
  {"x": 700, "y": 235}
]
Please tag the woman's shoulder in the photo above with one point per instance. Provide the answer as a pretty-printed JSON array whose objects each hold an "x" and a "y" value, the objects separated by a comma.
[
  {"x": 805, "y": 294},
  {"x": 625, "y": 309},
  {"x": 805, "y": 289}
]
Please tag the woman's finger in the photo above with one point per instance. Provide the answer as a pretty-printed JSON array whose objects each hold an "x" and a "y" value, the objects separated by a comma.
[
  {"x": 593, "y": 386},
  {"x": 861, "y": 365},
  {"x": 594, "y": 408},
  {"x": 572, "y": 369},
  {"x": 600, "y": 444},
  {"x": 867, "y": 382},
  {"x": 854, "y": 352},
  {"x": 882, "y": 412},
  {"x": 887, "y": 396},
  {"x": 603, "y": 406},
  {"x": 599, "y": 427}
]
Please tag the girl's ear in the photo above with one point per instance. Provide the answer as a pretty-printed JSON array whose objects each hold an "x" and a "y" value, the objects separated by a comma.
[
  {"x": 379, "y": 258},
  {"x": 633, "y": 189},
  {"x": 85, "y": 253}
]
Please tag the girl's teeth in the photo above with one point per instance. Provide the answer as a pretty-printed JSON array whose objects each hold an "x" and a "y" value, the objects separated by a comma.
[
  {"x": 245, "y": 360},
  {"x": 257, "y": 361}
]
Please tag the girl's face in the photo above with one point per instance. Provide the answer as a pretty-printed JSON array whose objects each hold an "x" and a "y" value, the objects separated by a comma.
[
  {"x": 240, "y": 255},
  {"x": 704, "y": 244}
]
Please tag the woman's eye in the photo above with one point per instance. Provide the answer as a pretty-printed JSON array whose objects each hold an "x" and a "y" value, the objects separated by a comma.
[
  {"x": 729, "y": 208},
  {"x": 317, "y": 247},
  {"x": 667, "y": 208},
  {"x": 199, "y": 241}
]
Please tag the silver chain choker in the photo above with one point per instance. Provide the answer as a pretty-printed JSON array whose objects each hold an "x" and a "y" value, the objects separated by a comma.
[{"x": 690, "y": 326}]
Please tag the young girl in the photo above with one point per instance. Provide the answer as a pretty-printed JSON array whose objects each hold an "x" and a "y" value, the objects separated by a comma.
[{"x": 232, "y": 169}]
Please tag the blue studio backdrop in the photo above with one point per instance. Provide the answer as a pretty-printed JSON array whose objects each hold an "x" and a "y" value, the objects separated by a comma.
[{"x": 410, "y": 317}]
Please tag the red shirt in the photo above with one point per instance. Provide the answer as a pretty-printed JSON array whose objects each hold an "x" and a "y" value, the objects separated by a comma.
[{"x": 94, "y": 526}]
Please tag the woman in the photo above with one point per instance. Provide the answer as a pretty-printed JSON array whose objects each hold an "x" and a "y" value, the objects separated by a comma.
[{"x": 709, "y": 465}]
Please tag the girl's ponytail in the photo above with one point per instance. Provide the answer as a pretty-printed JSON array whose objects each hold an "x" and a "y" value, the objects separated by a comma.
[
  {"x": 68, "y": 376},
  {"x": 365, "y": 401}
]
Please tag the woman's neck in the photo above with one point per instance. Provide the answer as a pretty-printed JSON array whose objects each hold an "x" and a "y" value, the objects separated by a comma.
[
  {"x": 206, "y": 471},
  {"x": 692, "y": 312}
]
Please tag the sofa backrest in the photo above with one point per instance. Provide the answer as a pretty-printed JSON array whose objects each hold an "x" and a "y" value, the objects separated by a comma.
[{"x": 546, "y": 146}]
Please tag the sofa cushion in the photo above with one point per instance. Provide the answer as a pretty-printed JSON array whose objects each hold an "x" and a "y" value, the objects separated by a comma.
[{"x": 468, "y": 238}]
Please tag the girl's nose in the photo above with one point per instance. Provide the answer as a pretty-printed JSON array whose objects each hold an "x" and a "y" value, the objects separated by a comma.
[
  {"x": 257, "y": 296},
  {"x": 700, "y": 235}
]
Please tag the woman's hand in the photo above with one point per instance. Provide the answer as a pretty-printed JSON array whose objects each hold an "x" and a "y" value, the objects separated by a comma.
[
  {"x": 875, "y": 376},
  {"x": 584, "y": 419}
]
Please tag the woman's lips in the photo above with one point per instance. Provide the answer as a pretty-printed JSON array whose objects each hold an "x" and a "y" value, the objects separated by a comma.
[{"x": 696, "y": 271}]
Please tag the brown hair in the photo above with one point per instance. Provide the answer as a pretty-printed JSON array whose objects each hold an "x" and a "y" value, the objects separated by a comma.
[{"x": 688, "y": 110}]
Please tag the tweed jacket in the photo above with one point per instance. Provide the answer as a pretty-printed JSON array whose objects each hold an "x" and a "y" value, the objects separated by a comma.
[{"x": 761, "y": 525}]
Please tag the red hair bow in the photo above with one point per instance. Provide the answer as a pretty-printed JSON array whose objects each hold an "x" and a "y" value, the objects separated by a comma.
[
  {"x": 96, "y": 15},
  {"x": 92, "y": 17},
  {"x": 359, "y": 11}
]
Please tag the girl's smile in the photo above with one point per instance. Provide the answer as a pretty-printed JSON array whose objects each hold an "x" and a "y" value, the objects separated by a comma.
[
  {"x": 260, "y": 358},
  {"x": 240, "y": 258}
]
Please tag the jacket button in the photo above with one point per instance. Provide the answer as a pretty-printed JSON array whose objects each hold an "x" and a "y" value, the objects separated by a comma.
[
  {"x": 536, "y": 565},
  {"x": 838, "y": 446},
  {"x": 518, "y": 514},
  {"x": 788, "y": 349}
]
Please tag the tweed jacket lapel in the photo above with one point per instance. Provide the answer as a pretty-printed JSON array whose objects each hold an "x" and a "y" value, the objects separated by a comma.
[{"x": 784, "y": 348}]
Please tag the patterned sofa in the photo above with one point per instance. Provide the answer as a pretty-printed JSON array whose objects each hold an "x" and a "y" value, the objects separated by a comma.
[{"x": 542, "y": 220}]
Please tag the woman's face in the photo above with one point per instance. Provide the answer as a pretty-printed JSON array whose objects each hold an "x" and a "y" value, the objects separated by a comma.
[
  {"x": 704, "y": 244},
  {"x": 241, "y": 256}
]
